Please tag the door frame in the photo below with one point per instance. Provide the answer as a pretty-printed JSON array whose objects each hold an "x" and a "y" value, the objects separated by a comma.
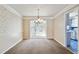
[{"x": 76, "y": 8}]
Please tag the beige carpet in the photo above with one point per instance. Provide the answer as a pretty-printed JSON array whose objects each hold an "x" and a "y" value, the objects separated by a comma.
[{"x": 38, "y": 46}]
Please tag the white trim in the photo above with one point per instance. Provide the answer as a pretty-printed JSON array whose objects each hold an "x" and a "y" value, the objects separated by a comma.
[
  {"x": 63, "y": 45},
  {"x": 66, "y": 9},
  {"x": 11, "y": 46},
  {"x": 35, "y": 17},
  {"x": 11, "y": 10}
]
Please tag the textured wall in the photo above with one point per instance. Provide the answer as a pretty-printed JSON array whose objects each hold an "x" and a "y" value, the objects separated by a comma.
[{"x": 10, "y": 29}]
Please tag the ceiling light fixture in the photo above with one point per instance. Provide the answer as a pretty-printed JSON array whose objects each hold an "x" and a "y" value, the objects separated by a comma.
[{"x": 39, "y": 20}]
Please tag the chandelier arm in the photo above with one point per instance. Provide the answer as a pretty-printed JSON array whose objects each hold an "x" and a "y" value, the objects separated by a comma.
[{"x": 38, "y": 13}]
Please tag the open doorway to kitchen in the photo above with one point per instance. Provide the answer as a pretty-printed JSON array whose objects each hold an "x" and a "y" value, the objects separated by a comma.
[
  {"x": 38, "y": 29},
  {"x": 72, "y": 30}
]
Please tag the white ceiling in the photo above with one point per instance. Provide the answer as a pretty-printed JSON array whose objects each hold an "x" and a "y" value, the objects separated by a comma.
[{"x": 45, "y": 9}]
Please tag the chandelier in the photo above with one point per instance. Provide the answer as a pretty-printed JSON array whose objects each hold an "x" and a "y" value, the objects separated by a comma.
[{"x": 38, "y": 20}]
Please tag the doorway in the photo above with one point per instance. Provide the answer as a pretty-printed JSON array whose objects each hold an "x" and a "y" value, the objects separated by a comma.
[
  {"x": 38, "y": 29},
  {"x": 72, "y": 30}
]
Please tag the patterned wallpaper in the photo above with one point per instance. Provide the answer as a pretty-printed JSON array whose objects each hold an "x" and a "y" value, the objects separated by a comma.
[{"x": 10, "y": 27}]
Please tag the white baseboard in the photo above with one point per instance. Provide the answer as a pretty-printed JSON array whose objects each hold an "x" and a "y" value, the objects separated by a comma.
[
  {"x": 11, "y": 46},
  {"x": 63, "y": 45}
]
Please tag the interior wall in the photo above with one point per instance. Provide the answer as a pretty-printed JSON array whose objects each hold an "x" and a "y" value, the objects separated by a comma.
[
  {"x": 59, "y": 29},
  {"x": 50, "y": 29},
  {"x": 10, "y": 29},
  {"x": 26, "y": 28}
]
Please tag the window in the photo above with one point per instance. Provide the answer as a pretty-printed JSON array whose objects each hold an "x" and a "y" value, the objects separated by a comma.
[{"x": 38, "y": 29}]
